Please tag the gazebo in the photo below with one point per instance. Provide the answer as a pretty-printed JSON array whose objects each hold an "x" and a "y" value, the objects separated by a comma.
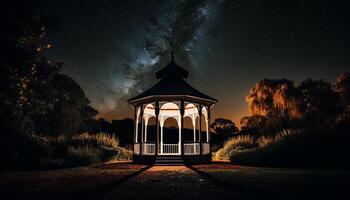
[{"x": 172, "y": 97}]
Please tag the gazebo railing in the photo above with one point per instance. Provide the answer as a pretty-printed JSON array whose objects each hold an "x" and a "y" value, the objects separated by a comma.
[
  {"x": 148, "y": 149},
  {"x": 205, "y": 148},
  {"x": 170, "y": 149},
  {"x": 137, "y": 149},
  {"x": 191, "y": 149}
]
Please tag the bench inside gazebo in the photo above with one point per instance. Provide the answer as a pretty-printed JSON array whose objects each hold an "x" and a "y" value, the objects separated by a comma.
[{"x": 172, "y": 98}]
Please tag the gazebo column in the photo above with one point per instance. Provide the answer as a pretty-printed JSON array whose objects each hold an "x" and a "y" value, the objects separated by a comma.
[
  {"x": 194, "y": 127},
  {"x": 161, "y": 133},
  {"x": 200, "y": 130},
  {"x": 194, "y": 133},
  {"x": 182, "y": 112},
  {"x": 207, "y": 128},
  {"x": 157, "y": 126},
  {"x": 146, "y": 124},
  {"x": 208, "y": 133},
  {"x": 142, "y": 121},
  {"x": 135, "y": 128}
]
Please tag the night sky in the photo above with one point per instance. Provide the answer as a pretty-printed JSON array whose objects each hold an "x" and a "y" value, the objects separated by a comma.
[{"x": 112, "y": 48}]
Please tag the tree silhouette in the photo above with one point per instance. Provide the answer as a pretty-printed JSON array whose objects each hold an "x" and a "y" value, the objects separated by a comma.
[
  {"x": 224, "y": 128},
  {"x": 342, "y": 86},
  {"x": 277, "y": 104},
  {"x": 70, "y": 109},
  {"x": 34, "y": 98},
  {"x": 320, "y": 103}
]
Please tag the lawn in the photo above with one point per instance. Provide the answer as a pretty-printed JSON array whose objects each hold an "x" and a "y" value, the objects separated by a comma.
[{"x": 214, "y": 181}]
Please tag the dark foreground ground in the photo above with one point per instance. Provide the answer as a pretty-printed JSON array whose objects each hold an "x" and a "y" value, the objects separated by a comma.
[{"x": 214, "y": 181}]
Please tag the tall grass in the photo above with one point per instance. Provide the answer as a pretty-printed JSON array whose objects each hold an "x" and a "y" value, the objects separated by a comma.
[
  {"x": 293, "y": 148},
  {"x": 84, "y": 149},
  {"x": 245, "y": 143},
  {"x": 234, "y": 144},
  {"x": 95, "y": 140},
  {"x": 83, "y": 155},
  {"x": 264, "y": 141}
]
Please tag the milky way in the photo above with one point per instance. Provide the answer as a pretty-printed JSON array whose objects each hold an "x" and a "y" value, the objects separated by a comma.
[
  {"x": 175, "y": 28},
  {"x": 112, "y": 48}
]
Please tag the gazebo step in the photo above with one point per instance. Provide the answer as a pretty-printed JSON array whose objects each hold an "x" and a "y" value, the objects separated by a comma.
[
  {"x": 171, "y": 161},
  {"x": 168, "y": 160},
  {"x": 168, "y": 164}
]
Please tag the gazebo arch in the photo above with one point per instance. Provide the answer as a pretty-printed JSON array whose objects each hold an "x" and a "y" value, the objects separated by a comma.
[{"x": 172, "y": 97}]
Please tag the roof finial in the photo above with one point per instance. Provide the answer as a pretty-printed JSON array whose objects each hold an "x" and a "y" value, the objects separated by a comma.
[{"x": 172, "y": 55}]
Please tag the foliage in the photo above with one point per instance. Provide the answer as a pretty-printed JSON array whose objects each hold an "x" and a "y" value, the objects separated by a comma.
[
  {"x": 296, "y": 126},
  {"x": 278, "y": 105},
  {"x": 123, "y": 129},
  {"x": 90, "y": 148},
  {"x": 254, "y": 125},
  {"x": 301, "y": 150},
  {"x": 233, "y": 144},
  {"x": 94, "y": 140},
  {"x": 273, "y": 98},
  {"x": 35, "y": 99},
  {"x": 82, "y": 155},
  {"x": 342, "y": 86},
  {"x": 320, "y": 103},
  {"x": 223, "y": 129},
  {"x": 70, "y": 109},
  {"x": 124, "y": 154}
]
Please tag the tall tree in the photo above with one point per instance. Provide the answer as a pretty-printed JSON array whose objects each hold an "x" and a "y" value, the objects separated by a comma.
[
  {"x": 31, "y": 89},
  {"x": 320, "y": 103},
  {"x": 274, "y": 99},
  {"x": 70, "y": 109},
  {"x": 25, "y": 72},
  {"x": 25, "y": 76}
]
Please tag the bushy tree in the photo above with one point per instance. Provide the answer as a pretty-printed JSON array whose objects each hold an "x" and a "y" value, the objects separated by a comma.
[
  {"x": 70, "y": 110},
  {"x": 25, "y": 77},
  {"x": 32, "y": 92},
  {"x": 254, "y": 125},
  {"x": 25, "y": 72},
  {"x": 223, "y": 129},
  {"x": 320, "y": 104},
  {"x": 277, "y": 105},
  {"x": 274, "y": 99}
]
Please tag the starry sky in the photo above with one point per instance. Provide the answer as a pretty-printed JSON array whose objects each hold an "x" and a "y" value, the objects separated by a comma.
[{"x": 113, "y": 47}]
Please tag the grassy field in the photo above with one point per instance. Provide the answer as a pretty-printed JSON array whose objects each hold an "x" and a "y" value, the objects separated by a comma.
[{"x": 214, "y": 181}]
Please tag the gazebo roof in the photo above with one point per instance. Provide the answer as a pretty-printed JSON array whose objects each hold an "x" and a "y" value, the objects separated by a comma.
[
  {"x": 172, "y": 70},
  {"x": 171, "y": 86}
]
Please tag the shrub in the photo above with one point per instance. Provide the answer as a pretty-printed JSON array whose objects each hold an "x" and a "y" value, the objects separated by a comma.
[
  {"x": 306, "y": 149},
  {"x": 233, "y": 144},
  {"x": 124, "y": 154},
  {"x": 82, "y": 155},
  {"x": 245, "y": 156},
  {"x": 95, "y": 140},
  {"x": 64, "y": 151},
  {"x": 267, "y": 140},
  {"x": 103, "y": 139}
]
